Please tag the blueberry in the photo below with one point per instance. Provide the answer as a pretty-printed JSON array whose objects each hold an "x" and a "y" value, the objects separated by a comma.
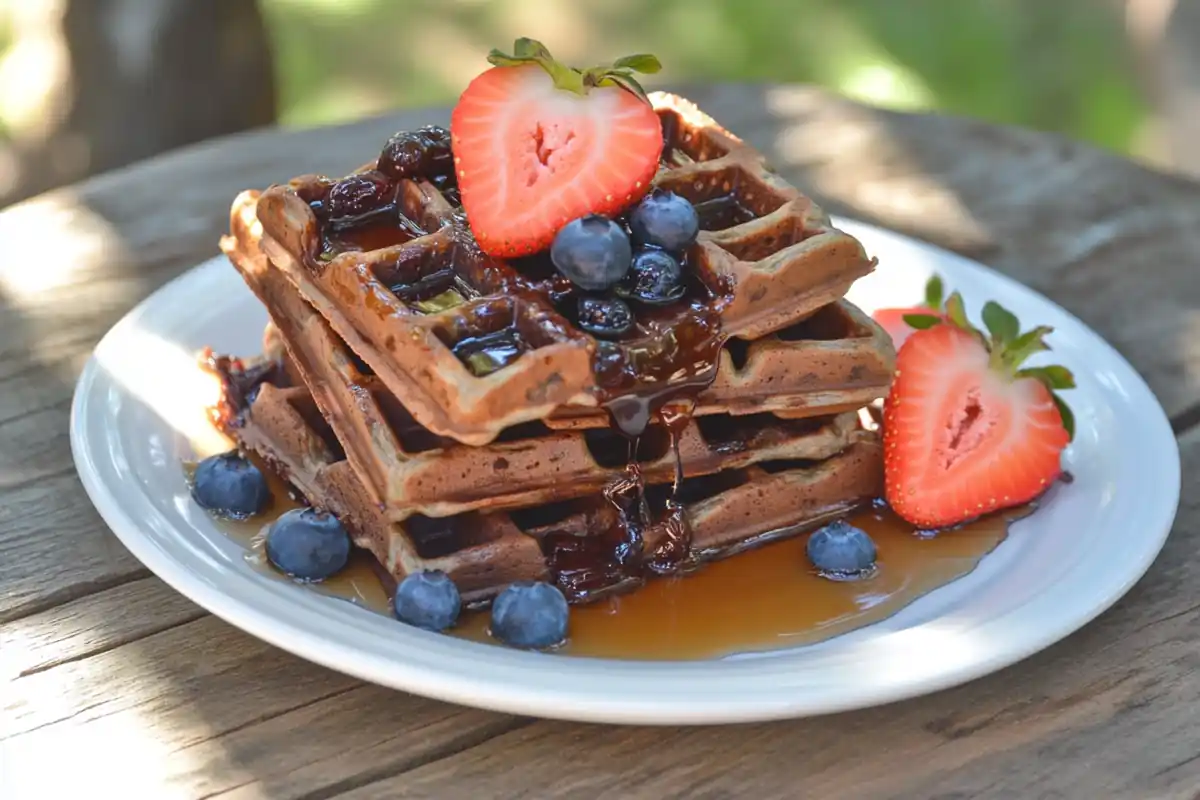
[
  {"x": 593, "y": 252},
  {"x": 427, "y": 600},
  {"x": 840, "y": 550},
  {"x": 530, "y": 615},
  {"x": 307, "y": 544},
  {"x": 666, "y": 220},
  {"x": 230, "y": 486},
  {"x": 604, "y": 316},
  {"x": 404, "y": 156},
  {"x": 655, "y": 278},
  {"x": 358, "y": 195}
]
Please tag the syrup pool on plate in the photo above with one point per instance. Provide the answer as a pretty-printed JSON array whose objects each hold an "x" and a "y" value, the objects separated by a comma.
[
  {"x": 762, "y": 599},
  {"x": 770, "y": 597}
]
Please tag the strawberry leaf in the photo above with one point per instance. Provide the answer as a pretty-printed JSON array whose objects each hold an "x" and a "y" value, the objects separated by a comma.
[
  {"x": 642, "y": 62},
  {"x": 1068, "y": 416},
  {"x": 1054, "y": 376},
  {"x": 530, "y": 48},
  {"x": 615, "y": 78},
  {"x": 620, "y": 73},
  {"x": 1001, "y": 323},
  {"x": 957, "y": 312},
  {"x": 1021, "y": 348},
  {"x": 921, "y": 321},
  {"x": 934, "y": 292}
]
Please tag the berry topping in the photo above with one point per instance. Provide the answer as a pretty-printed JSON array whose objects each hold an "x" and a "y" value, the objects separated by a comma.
[
  {"x": 892, "y": 319},
  {"x": 229, "y": 485},
  {"x": 966, "y": 429},
  {"x": 604, "y": 316},
  {"x": 841, "y": 551},
  {"x": 358, "y": 195},
  {"x": 537, "y": 143},
  {"x": 428, "y": 600},
  {"x": 666, "y": 220},
  {"x": 592, "y": 252},
  {"x": 423, "y": 153},
  {"x": 655, "y": 278},
  {"x": 530, "y": 615},
  {"x": 307, "y": 544}
]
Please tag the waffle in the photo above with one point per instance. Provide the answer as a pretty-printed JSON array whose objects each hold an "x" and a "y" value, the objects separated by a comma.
[
  {"x": 484, "y": 552},
  {"x": 409, "y": 470},
  {"x": 768, "y": 259}
]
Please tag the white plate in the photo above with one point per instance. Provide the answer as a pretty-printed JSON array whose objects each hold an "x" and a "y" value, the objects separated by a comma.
[{"x": 138, "y": 412}]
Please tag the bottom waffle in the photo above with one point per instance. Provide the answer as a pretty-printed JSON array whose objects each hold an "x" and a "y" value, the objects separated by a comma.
[{"x": 484, "y": 552}]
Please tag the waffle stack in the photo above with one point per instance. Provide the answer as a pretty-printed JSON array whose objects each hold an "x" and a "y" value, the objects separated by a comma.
[{"x": 445, "y": 408}]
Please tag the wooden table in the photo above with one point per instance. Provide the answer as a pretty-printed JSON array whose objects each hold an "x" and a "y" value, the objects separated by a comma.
[{"x": 119, "y": 686}]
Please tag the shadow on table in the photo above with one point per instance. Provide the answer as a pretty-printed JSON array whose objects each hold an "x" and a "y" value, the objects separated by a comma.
[{"x": 212, "y": 708}]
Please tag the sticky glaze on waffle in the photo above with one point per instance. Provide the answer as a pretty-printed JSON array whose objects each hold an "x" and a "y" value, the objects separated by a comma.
[{"x": 767, "y": 259}]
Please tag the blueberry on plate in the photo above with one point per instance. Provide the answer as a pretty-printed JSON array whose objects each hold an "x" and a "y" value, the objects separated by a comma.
[
  {"x": 307, "y": 544},
  {"x": 530, "y": 615},
  {"x": 428, "y": 600},
  {"x": 592, "y": 252},
  {"x": 666, "y": 220},
  {"x": 655, "y": 278},
  {"x": 229, "y": 485},
  {"x": 841, "y": 551},
  {"x": 604, "y": 316}
]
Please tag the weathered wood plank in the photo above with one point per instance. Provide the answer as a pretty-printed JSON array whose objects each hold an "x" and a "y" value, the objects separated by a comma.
[
  {"x": 1109, "y": 712},
  {"x": 91, "y": 625},
  {"x": 201, "y": 708},
  {"x": 55, "y": 546}
]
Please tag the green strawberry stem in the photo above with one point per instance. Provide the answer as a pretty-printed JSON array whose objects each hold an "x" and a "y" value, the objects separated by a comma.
[
  {"x": 1007, "y": 346},
  {"x": 619, "y": 73}
]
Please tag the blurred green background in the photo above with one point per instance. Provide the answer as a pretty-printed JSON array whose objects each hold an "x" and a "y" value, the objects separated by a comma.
[
  {"x": 1056, "y": 65},
  {"x": 91, "y": 85}
]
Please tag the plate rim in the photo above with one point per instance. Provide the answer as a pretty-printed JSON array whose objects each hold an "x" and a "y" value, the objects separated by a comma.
[{"x": 504, "y": 696}]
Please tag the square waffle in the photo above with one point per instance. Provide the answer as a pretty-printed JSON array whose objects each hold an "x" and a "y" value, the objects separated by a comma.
[
  {"x": 408, "y": 470},
  {"x": 483, "y": 552},
  {"x": 766, "y": 259}
]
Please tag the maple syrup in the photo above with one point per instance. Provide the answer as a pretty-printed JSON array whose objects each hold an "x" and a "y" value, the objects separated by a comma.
[
  {"x": 770, "y": 597},
  {"x": 763, "y": 599}
]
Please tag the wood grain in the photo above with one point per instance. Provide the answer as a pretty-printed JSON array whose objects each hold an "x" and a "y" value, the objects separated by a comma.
[
  {"x": 149, "y": 695},
  {"x": 217, "y": 711}
]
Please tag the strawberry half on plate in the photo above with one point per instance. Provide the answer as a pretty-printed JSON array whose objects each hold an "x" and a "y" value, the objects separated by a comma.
[
  {"x": 967, "y": 429},
  {"x": 537, "y": 144}
]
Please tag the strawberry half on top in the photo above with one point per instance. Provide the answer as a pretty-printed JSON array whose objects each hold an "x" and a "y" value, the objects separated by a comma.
[
  {"x": 966, "y": 429},
  {"x": 892, "y": 319},
  {"x": 537, "y": 144}
]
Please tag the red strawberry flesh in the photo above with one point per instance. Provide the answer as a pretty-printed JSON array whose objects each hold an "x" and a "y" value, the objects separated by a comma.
[
  {"x": 961, "y": 439},
  {"x": 531, "y": 157}
]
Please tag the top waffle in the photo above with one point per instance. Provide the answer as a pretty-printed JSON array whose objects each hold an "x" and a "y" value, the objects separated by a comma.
[{"x": 502, "y": 353}]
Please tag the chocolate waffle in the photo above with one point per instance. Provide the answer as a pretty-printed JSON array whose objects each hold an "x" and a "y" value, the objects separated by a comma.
[
  {"x": 409, "y": 470},
  {"x": 505, "y": 352},
  {"x": 566, "y": 541}
]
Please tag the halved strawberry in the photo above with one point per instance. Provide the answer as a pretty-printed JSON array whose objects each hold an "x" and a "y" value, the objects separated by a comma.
[
  {"x": 537, "y": 144},
  {"x": 892, "y": 319},
  {"x": 966, "y": 429}
]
